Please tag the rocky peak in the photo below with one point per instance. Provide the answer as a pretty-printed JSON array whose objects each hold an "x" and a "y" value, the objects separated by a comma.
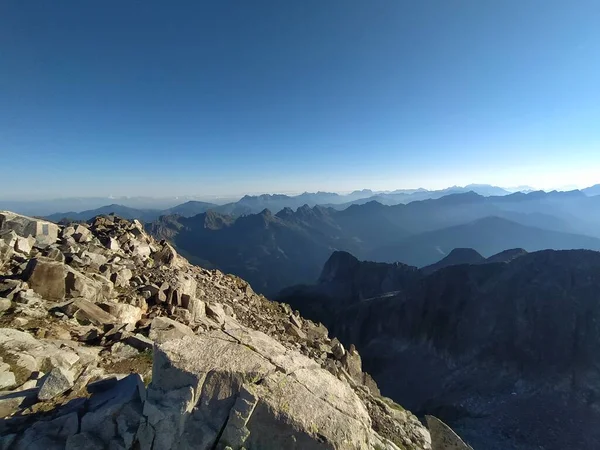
[
  {"x": 339, "y": 266},
  {"x": 110, "y": 339}
]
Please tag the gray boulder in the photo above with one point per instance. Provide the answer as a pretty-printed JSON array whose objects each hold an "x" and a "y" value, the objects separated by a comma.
[{"x": 44, "y": 232}]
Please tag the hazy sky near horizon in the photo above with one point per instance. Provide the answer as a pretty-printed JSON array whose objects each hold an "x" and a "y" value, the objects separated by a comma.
[{"x": 225, "y": 97}]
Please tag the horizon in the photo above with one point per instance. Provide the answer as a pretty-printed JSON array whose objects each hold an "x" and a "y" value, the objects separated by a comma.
[
  {"x": 147, "y": 99},
  {"x": 223, "y": 199}
]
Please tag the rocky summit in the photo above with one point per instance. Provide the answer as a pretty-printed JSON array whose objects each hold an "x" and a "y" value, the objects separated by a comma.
[{"x": 111, "y": 340}]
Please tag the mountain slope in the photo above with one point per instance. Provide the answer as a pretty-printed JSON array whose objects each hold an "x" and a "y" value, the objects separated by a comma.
[
  {"x": 500, "y": 349},
  {"x": 487, "y": 236}
]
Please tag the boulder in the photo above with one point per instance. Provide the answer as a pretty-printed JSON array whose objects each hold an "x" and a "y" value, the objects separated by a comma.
[
  {"x": 47, "y": 278},
  {"x": 55, "y": 383},
  {"x": 123, "y": 312},
  {"x": 44, "y": 232},
  {"x": 443, "y": 437},
  {"x": 5, "y": 304},
  {"x": 163, "y": 329},
  {"x": 260, "y": 396},
  {"x": 215, "y": 311},
  {"x": 79, "y": 285},
  {"x": 114, "y": 414},
  {"x": 139, "y": 342},
  {"x": 88, "y": 312},
  {"x": 48, "y": 434}
]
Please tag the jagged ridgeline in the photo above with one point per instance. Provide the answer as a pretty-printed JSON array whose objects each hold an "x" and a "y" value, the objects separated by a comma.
[{"x": 111, "y": 340}]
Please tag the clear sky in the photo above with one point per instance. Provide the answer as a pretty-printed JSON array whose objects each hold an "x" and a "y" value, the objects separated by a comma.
[{"x": 150, "y": 97}]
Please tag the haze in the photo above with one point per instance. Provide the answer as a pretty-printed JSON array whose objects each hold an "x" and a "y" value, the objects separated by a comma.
[{"x": 223, "y": 98}]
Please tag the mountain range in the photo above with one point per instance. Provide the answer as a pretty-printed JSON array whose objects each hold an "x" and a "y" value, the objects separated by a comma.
[
  {"x": 149, "y": 209},
  {"x": 499, "y": 349},
  {"x": 273, "y": 251}
]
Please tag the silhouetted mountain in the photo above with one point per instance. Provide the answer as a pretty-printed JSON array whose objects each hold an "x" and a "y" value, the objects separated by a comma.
[
  {"x": 506, "y": 256},
  {"x": 487, "y": 236},
  {"x": 291, "y": 246},
  {"x": 494, "y": 349},
  {"x": 592, "y": 190},
  {"x": 120, "y": 210},
  {"x": 190, "y": 209},
  {"x": 454, "y": 258}
]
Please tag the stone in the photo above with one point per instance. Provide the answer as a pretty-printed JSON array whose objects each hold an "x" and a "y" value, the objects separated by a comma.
[
  {"x": 84, "y": 441},
  {"x": 44, "y": 232},
  {"x": 296, "y": 321},
  {"x": 24, "y": 245},
  {"x": 122, "y": 277},
  {"x": 7, "y": 380},
  {"x": 197, "y": 308},
  {"x": 115, "y": 413},
  {"x": 338, "y": 350},
  {"x": 294, "y": 331},
  {"x": 55, "y": 383},
  {"x": 121, "y": 350},
  {"x": 254, "y": 401},
  {"x": 79, "y": 285},
  {"x": 123, "y": 312},
  {"x": 163, "y": 329},
  {"x": 88, "y": 312},
  {"x": 47, "y": 278},
  {"x": 215, "y": 311},
  {"x": 139, "y": 342},
  {"x": 44, "y": 434},
  {"x": 82, "y": 234},
  {"x": 5, "y": 304},
  {"x": 443, "y": 437}
]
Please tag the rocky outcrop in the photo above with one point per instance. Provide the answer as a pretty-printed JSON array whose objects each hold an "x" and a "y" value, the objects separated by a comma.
[
  {"x": 110, "y": 339},
  {"x": 497, "y": 350}
]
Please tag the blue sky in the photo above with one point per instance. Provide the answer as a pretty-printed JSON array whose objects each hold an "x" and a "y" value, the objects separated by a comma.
[{"x": 227, "y": 97}]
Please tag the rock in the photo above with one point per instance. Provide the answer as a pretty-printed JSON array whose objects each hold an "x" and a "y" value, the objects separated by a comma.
[
  {"x": 139, "y": 342},
  {"x": 84, "y": 441},
  {"x": 310, "y": 409},
  {"x": 55, "y": 383},
  {"x": 5, "y": 304},
  {"x": 123, "y": 312},
  {"x": 166, "y": 255},
  {"x": 197, "y": 308},
  {"x": 114, "y": 414},
  {"x": 47, "y": 278},
  {"x": 338, "y": 350},
  {"x": 44, "y": 232},
  {"x": 122, "y": 277},
  {"x": 163, "y": 329},
  {"x": 44, "y": 434},
  {"x": 442, "y": 436},
  {"x": 79, "y": 285},
  {"x": 88, "y": 312},
  {"x": 123, "y": 351},
  {"x": 24, "y": 245},
  {"x": 82, "y": 234},
  {"x": 215, "y": 311},
  {"x": 296, "y": 321},
  {"x": 7, "y": 380},
  {"x": 294, "y": 331}
]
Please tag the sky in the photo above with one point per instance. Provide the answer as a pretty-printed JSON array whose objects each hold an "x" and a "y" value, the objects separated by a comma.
[{"x": 229, "y": 97}]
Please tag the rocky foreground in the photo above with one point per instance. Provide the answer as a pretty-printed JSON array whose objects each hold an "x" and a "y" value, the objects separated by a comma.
[{"x": 110, "y": 339}]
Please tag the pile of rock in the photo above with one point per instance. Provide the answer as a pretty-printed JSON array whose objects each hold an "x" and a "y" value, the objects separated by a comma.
[{"x": 92, "y": 313}]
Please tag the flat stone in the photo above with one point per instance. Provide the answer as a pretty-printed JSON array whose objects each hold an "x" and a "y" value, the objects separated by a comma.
[
  {"x": 89, "y": 312},
  {"x": 163, "y": 329},
  {"x": 139, "y": 342}
]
